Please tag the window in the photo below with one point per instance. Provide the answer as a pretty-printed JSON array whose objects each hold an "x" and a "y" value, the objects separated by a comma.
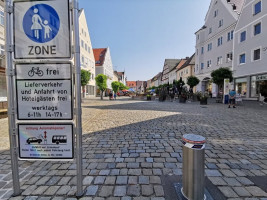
[
  {"x": 197, "y": 51},
  {"x": 202, "y": 50},
  {"x": 82, "y": 43},
  {"x": 202, "y": 65},
  {"x": 208, "y": 63},
  {"x": 85, "y": 46},
  {"x": 82, "y": 59},
  {"x": 230, "y": 36},
  {"x": 242, "y": 58},
  {"x": 2, "y": 15},
  {"x": 198, "y": 36},
  {"x": 197, "y": 67},
  {"x": 219, "y": 60},
  {"x": 257, "y": 8},
  {"x": 229, "y": 57},
  {"x": 221, "y": 23},
  {"x": 2, "y": 49},
  {"x": 257, "y": 29},
  {"x": 210, "y": 30},
  {"x": 209, "y": 46},
  {"x": 220, "y": 40},
  {"x": 257, "y": 54},
  {"x": 243, "y": 36},
  {"x": 215, "y": 13}
]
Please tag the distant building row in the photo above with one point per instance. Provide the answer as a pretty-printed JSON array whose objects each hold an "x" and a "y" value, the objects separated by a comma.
[
  {"x": 234, "y": 36},
  {"x": 97, "y": 61}
]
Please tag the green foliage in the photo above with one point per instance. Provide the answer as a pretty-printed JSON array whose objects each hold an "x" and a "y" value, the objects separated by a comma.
[
  {"x": 101, "y": 82},
  {"x": 122, "y": 86},
  {"x": 177, "y": 83},
  {"x": 192, "y": 81},
  {"x": 115, "y": 86},
  {"x": 85, "y": 77},
  {"x": 220, "y": 74}
]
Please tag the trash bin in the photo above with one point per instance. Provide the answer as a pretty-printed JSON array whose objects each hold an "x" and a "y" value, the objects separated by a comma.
[{"x": 193, "y": 166}]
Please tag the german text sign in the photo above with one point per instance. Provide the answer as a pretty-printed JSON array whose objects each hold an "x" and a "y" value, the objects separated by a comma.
[
  {"x": 42, "y": 29},
  {"x": 41, "y": 98},
  {"x": 45, "y": 141}
]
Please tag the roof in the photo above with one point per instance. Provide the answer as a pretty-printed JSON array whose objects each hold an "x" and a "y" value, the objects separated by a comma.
[
  {"x": 172, "y": 63},
  {"x": 239, "y": 4},
  {"x": 156, "y": 77},
  {"x": 99, "y": 56},
  {"x": 131, "y": 83},
  {"x": 183, "y": 61},
  {"x": 189, "y": 61}
]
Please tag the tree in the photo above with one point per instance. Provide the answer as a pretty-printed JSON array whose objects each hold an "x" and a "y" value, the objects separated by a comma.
[
  {"x": 192, "y": 81},
  {"x": 115, "y": 86},
  {"x": 122, "y": 86},
  {"x": 85, "y": 78},
  {"x": 101, "y": 82},
  {"x": 220, "y": 74}
]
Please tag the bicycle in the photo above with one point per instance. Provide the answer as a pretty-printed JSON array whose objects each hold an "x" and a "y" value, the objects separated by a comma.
[{"x": 35, "y": 70}]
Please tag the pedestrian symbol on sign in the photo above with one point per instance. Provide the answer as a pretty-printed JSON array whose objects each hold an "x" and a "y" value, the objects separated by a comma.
[{"x": 41, "y": 23}]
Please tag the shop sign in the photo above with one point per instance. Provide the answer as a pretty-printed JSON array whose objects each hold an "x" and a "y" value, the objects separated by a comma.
[{"x": 261, "y": 77}]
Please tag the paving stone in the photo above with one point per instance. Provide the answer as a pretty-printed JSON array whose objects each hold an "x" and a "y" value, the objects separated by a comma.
[
  {"x": 143, "y": 180},
  {"x": 256, "y": 191},
  {"x": 121, "y": 180},
  {"x": 244, "y": 181},
  {"x": 99, "y": 180},
  {"x": 147, "y": 190},
  {"x": 87, "y": 180},
  {"x": 212, "y": 172},
  {"x": 40, "y": 190},
  {"x": 106, "y": 191},
  {"x": 217, "y": 181},
  {"x": 110, "y": 180},
  {"x": 232, "y": 181},
  {"x": 242, "y": 192},
  {"x": 51, "y": 190},
  {"x": 159, "y": 190},
  {"x": 91, "y": 190},
  {"x": 135, "y": 172},
  {"x": 63, "y": 190},
  {"x": 120, "y": 191},
  {"x": 228, "y": 191},
  {"x": 133, "y": 190}
]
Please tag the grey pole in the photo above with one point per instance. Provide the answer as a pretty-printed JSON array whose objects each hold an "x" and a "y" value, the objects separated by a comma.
[
  {"x": 11, "y": 97},
  {"x": 78, "y": 97}
]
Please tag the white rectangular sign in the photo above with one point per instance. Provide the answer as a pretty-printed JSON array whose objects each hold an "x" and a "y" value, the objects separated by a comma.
[
  {"x": 43, "y": 71},
  {"x": 44, "y": 99},
  {"x": 45, "y": 141},
  {"x": 42, "y": 29}
]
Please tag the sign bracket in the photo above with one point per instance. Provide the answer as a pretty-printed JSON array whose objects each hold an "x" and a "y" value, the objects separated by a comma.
[
  {"x": 10, "y": 48},
  {"x": 9, "y": 9}
]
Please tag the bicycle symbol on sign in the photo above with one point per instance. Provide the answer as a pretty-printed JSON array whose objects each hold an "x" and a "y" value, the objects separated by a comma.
[{"x": 35, "y": 70}]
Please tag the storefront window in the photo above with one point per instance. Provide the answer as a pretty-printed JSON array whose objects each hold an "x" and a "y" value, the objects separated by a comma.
[
  {"x": 241, "y": 86},
  {"x": 259, "y": 85}
]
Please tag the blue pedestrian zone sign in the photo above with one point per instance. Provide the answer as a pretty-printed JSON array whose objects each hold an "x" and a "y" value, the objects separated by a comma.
[
  {"x": 42, "y": 29},
  {"x": 44, "y": 23}
]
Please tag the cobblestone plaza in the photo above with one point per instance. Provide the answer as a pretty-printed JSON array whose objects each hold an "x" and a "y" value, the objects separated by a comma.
[{"x": 133, "y": 150}]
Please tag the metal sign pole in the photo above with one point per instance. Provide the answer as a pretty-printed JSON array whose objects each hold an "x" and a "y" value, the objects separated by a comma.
[
  {"x": 78, "y": 110},
  {"x": 11, "y": 97}
]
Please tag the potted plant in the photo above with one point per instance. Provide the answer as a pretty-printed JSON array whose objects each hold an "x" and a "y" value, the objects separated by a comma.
[
  {"x": 148, "y": 97},
  {"x": 203, "y": 99},
  {"x": 183, "y": 96}
]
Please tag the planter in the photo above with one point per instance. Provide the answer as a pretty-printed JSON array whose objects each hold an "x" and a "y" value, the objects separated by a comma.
[
  {"x": 182, "y": 100},
  {"x": 203, "y": 101}
]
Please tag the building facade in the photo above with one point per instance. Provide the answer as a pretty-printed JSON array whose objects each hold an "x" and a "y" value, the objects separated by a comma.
[
  {"x": 214, "y": 41},
  {"x": 169, "y": 67},
  {"x": 104, "y": 65},
  {"x": 87, "y": 56},
  {"x": 3, "y": 89},
  {"x": 250, "y": 50},
  {"x": 131, "y": 85}
]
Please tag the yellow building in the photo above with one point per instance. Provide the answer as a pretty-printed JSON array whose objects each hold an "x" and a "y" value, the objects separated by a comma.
[{"x": 187, "y": 69}]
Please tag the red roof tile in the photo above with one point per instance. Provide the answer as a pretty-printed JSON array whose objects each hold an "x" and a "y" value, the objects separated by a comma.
[
  {"x": 99, "y": 56},
  {"x": 131, "y": 83}
]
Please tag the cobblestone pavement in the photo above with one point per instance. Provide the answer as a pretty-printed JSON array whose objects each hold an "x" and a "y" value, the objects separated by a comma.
[{"x": 130, "y": 146}]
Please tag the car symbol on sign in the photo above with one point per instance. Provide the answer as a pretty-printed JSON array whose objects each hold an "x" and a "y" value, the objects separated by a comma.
[{"x": 33, "y": 140}]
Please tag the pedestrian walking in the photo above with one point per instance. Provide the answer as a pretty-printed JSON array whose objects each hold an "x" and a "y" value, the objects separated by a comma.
[
  {"x": 110, "y": 95},
  {"x": 115, "y": 95},
  {"x": 232, "y": 96}
]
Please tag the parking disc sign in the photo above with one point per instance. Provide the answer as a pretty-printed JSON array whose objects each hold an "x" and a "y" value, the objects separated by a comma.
[{"x": 42, "y": 29}]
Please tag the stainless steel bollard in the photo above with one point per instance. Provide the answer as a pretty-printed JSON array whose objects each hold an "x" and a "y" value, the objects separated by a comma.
[{"x": 193, "y": 166}]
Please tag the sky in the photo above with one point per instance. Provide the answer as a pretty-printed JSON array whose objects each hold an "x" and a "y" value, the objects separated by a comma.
[{"x": 141, "y": 34}]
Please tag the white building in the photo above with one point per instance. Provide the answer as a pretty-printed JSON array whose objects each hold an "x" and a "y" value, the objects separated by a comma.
[
  {"x": 104, "y": 65},
  {"x": 250, "y": 49},
  {"x": 214, "y": 41},
  {"x": 87, "y": 56},
  {"x": 3, "y": 89},
  {"x": 169, "y": 70}
]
